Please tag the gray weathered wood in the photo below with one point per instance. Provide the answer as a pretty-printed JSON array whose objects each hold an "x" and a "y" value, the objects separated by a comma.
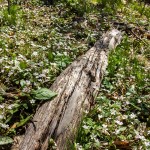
[{"x": 77, "y": 87}]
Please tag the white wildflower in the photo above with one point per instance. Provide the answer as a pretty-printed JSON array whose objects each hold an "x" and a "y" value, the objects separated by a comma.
[
  {"x": 42, "y": 75},
  {"x": 124, "y": 2},
  {"x": 124, "y": 116},
  {"x": 86, "y": 112},
  {"x": 132, "y": 116},
  {"x": 78, "y": 146},
  {"x": 34, "y": 45},
  {"x": 32, "y": 101},
  {"x": 28, "y": 82},
  {"x": 100, "y": 116},
  {"x": 1, "y": 60},
  {"x": 2, "y": 106},
  {"x": 11, "y": 106},
  {"x": 35, "y": 74},
  {"x": 21, "y": 42},
  {"x": 121, "y": 97},
  {"x": 1, "y": 116},
  {"x": 7, "y": 67},
  {"x": 117, "y": 131},
  {"x": 105, "y": 129},
  {"x": 22, "y": 57},
  {"x": 139, "y": 101},
  {"x": 113, "y": 111},
  {"x": 108, "y": 119},
  {"x": 40, "y": 63},
  {"x": 96, "y": 140},
  {"x": 141, "y": 137},
  {"x": 40, "y": 80},
  {"x": 119, "y": 122},
  {"x": 34, "y": 53},
  {"x": 54, "y": 64},
  {"x": 26, "y": 90},
  {"x": 10, "y": 73},
  {"x": 5, "y": 126},
  {"x": 65, "y": 53},
  {"x": 99, "y": 109},
  {"x": 104, "y": 126},
  {"x": 127, "y": 102},
  {"x": 93, "y": 136},
  {"x": 147, "y": 143},
  {"x": 45, "y": 71},
  {"x": 85, "y": 126}
]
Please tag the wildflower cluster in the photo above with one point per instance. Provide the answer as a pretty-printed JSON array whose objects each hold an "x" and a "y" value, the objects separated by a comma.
[
  {"x": 36, "y": 44},
  {"x": 121, "y": 116}
]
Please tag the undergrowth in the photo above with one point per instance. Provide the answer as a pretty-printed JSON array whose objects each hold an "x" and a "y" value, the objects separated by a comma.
[
  {"x": 120, "y": 118},
  {"x": 38, "y": 42}
]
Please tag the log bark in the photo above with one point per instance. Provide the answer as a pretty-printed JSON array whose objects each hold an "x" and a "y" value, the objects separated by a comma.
[{"x": 77, "y": 87}]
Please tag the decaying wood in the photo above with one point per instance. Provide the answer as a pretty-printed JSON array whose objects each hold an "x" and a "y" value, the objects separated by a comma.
[{"x": 77, "y": 87}]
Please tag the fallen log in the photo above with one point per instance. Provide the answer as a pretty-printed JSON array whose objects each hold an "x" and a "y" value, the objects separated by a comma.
[{"x": 77, "y": 86}]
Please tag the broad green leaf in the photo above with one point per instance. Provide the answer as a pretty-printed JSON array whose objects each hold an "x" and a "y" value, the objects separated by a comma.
[
  {"x": 5, "y": 140},
  {"x": 43, "y": 94},
  {"x": 25, "y": 106},
  {"x": 23, "y": 121}
]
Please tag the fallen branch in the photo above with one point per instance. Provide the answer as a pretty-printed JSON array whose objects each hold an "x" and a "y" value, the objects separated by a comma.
[{"x": 77, "y": 87}]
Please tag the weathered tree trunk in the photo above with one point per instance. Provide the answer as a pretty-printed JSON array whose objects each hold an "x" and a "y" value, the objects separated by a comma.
[{"x": 77, "y": 87}]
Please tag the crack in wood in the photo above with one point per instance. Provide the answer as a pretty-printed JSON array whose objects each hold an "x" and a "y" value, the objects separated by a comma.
[{"x": 65, "y": 104}]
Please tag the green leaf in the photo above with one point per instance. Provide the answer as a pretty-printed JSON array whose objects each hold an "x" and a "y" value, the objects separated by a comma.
[
  {"x": 122, "y": 137},
  {"x": 25, "y": 106},
  {"x": 24, "y": 121},
  {"x": 1, "y": 98},
  {"x": 43, "y": 94},
  {"x": 23, "y": 65},
  {"x": 5, "y": 140},
  {"x": 136, "y": 107},
  {"x": 50, "y": 56}
]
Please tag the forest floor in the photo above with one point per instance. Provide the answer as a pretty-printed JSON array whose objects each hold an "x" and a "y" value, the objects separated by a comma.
[{"x": 38, "y": 42}]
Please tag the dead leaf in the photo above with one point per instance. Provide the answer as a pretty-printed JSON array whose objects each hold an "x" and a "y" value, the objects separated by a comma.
[{"x": 122, "y": 144}]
